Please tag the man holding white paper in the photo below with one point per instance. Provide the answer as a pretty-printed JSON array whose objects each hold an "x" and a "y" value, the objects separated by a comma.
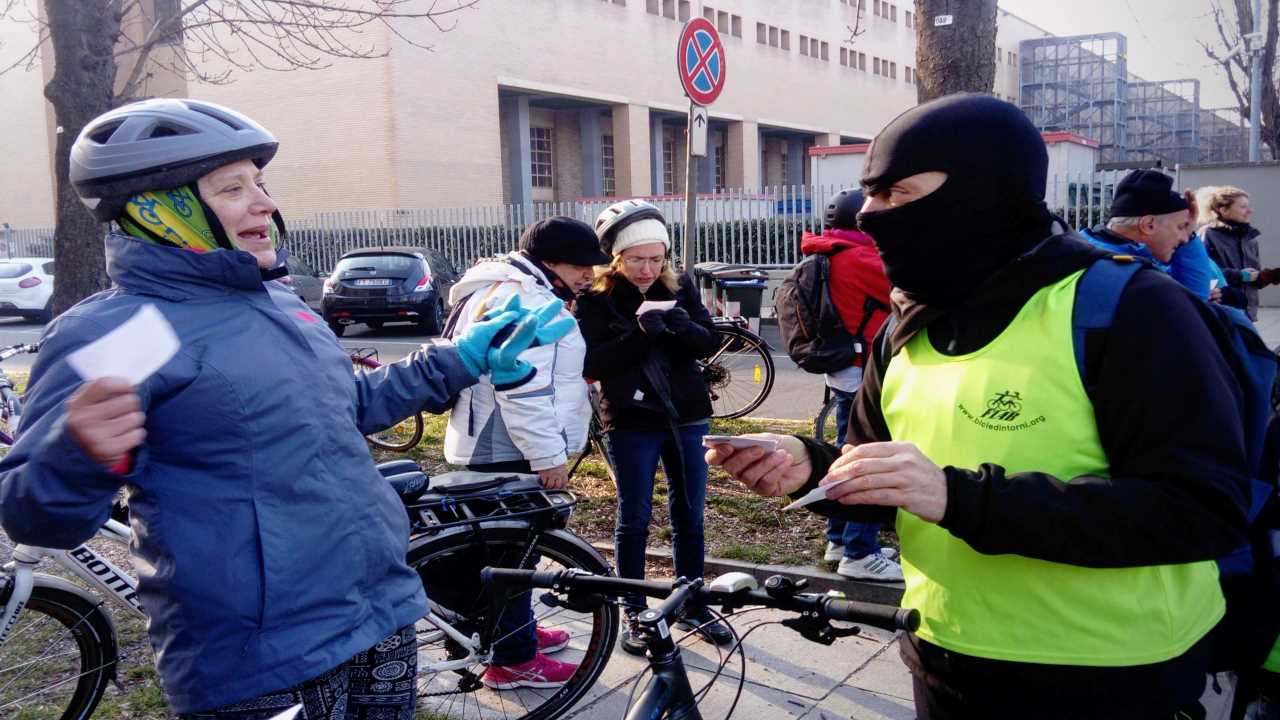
[
  {"x": 1058, "y": 543},
  {"x": 270, "y": 550}
]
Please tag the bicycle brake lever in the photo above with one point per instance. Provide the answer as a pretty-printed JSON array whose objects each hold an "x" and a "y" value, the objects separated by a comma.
[
  {"x": 819, "y": 631},
  {"x": 577, "y": 602}
]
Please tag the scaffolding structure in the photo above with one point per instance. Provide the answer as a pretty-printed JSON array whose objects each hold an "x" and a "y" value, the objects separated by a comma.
[
  {"x": 1164, "y": 121},
  {"x": 1081, "y": 84},
  {"x": 1078, "y": 84},
  {"x": 1224, "y": 135}
]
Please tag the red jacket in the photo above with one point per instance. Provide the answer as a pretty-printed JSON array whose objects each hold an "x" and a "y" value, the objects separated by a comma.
[{"x": 856, "y": 273}]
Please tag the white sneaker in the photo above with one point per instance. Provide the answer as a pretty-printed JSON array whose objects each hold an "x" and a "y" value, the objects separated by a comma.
[
  {"x": 834, "y": 553},
  {"x": 889, "y": 553},
  {"x": 874, "y": 567}
]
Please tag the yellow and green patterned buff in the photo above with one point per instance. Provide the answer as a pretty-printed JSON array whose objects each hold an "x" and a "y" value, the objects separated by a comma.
[{"x": 173, "y": 217}]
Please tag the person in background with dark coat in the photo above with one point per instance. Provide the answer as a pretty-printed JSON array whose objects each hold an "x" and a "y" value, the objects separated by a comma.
[
  {"x": 655, "y": 404},
  {"x": 1233, "y": 244}
]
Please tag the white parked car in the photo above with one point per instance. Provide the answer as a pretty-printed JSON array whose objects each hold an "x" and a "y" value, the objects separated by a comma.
[{"x": 26, "y": 288}]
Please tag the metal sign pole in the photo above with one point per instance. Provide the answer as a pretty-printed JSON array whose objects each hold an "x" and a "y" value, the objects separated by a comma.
[{"x": 690, "y": 198}]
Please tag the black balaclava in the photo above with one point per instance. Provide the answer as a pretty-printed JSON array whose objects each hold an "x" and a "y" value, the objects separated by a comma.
[{"x": 941, "y": 247}]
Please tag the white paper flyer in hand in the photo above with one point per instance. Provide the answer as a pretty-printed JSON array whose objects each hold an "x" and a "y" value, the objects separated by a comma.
[
  {"x": 289, "y": 714},
  {"x": 133, "y": 351},
  {"x": 648, "y": 305},
  {"x": 814, "y": 495}
]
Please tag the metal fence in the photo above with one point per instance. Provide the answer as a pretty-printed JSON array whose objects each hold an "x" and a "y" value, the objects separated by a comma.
[
  {"x": 757, "y": 227},
  {"x": 29, "y": 242}
]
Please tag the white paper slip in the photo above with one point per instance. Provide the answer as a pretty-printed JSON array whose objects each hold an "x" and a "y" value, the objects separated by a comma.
[
  {"x": 648, "y": 305},
  {"x": 1213, "y": 283},
  {"x": 132, "y": 351},
  {"x": 289, "y": 714},
  {"x": 769, "y": 444},
  {"x": 814, "y": 495}
]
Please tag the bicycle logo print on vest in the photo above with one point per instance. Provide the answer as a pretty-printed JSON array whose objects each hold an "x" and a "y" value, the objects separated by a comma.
[{"x": 1003, "y": 411}]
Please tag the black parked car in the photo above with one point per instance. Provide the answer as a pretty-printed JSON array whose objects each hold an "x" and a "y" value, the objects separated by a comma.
[
  {"x": 304, "y": 282},
  {"x": 388, "y": 284}
]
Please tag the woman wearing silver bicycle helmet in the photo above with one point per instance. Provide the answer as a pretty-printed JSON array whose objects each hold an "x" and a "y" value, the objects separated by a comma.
[
  {"x": 270, "y": 550},
  {"x": 655, "y": 404}
]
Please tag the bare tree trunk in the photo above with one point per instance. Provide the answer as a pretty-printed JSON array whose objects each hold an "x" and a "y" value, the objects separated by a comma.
[
  {"x": 83, "y": 36},
  {"x": 960, "y": 57}
]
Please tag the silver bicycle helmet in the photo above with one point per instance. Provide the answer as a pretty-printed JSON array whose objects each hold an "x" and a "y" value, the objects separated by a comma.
[
  {"x": 159, "y": 144},
  {"x": 621, "y": 214}
]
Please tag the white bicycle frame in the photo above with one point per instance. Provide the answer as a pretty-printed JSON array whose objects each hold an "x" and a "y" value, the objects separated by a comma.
[{"x": 83, "y": 562}]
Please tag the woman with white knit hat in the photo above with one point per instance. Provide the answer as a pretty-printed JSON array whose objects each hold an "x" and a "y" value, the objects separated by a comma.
[{"x": 655, "y": 405}]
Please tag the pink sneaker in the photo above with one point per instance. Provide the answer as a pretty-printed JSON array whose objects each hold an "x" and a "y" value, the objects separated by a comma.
[
  {"x": 551, "y": 641},
  {"x": 540, "y": 672}
]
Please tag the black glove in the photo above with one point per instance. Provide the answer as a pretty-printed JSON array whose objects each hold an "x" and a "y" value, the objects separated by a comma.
[
  {"x": 652, "y": 323},
  {"x": 677, "y": 320}
]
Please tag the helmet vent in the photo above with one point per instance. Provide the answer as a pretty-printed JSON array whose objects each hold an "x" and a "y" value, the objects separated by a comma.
[
  {"x": 104, "y": 133},
  {"x": 220, "y": 117}
]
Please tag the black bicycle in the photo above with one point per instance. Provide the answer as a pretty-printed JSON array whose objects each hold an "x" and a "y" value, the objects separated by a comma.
[
  {"x": 667, "y": 693},
  {"x": 739, "y": 374},
  {"x": 461, "y": 522}
]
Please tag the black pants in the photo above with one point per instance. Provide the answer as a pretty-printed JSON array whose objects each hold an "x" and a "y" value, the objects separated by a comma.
[
  {"x": 377, "y": 684},
  {"x": 950, "y": 685}
]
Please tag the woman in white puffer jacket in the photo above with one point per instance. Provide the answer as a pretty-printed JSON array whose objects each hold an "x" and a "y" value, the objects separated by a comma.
[{"x": 533, "y": 427}]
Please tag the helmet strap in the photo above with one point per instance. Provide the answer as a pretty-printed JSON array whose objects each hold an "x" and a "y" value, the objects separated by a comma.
[{"x": 215, "y": 225}]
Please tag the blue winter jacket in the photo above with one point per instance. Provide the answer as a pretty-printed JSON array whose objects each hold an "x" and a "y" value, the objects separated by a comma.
[
  {"x": 1190, "y": 265},
  {"x": 269, "y": 548}
]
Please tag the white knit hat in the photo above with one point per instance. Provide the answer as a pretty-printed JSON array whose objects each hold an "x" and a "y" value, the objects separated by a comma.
[{"x": 641, "y": 232}]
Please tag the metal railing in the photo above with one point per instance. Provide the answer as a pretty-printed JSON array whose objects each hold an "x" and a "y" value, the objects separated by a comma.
[{"x": 756, "y": 227}]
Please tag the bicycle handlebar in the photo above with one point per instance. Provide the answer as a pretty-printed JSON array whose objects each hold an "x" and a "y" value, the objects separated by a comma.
[
  {"x": 886, "y": 617},
  {"x": 10, "y": 351}
]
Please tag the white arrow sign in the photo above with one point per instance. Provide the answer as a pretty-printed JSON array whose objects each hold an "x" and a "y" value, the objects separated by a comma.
[{"x": 698, "y": 131}]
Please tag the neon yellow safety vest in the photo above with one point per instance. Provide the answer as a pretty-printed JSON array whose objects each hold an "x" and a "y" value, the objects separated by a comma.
[{"x": 1019, "y": 402}]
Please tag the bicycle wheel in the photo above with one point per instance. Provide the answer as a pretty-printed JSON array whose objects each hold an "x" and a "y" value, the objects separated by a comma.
[
  {"x": 58, "y": 658},
  {"x": 739, "y": 375},
  {"x": 450, "y": 569},
  {"x": 401, "y": 437},
  {"x": 824, "y": 426}
]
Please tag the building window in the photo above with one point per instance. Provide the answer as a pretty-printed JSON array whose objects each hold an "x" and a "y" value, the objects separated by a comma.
[
  {"x": 906, "y": 74},
  {"x": 669, "y": 9},
  {"x": 875, "y": 63},
  {"x": 540, "y": 154},
  {"x": 825, "y": 48},
  {"x": 813, "y": 47},
  {"x": 762, "y": 34},
  {"x": 844, "y": 56},
  {"x": 862, "y": 61},
  {"x": 906, "y": 18},
  {"x": 685, "y": 12},
  {"x": 893, "y": 71},
  {"x": 653, "y": 7},
  {"x": 722, "y": 22},
  {"x": 773, "y": 38},
  {"x": 668, "y": 164},
  {"x": 999, "y": 55},
  {"x": 709, "y": 14},
  {"x": 735, "y": 25},
  {"x": 875, "y": 7},
  {"x": 785, "y": 157},
  {"x": 1013, "y": 58},
  {"x": 804, "y": 45},
  {"x": 786, "y": 40},
  {"x": 606, "y": 165},
  {"x": 893, "y": 13}
]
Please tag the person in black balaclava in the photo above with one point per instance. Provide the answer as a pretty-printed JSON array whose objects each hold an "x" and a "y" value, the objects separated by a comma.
[
  {"x": 1058, "y": 543},
  {"x": 989, "y": 210}
]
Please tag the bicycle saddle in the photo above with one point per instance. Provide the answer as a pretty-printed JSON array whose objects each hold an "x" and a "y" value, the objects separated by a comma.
[
  {"x": 395, "y": 467},
  {"x": 409, "y": 485},
  {"x": 466, "y": 481}
]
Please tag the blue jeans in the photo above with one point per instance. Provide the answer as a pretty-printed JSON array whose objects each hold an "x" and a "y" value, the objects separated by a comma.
[
  {"x": 858, "y": 539},
  {"x": 635, "y": 455}
]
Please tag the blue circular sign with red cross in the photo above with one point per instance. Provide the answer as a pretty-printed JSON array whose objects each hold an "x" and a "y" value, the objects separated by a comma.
[{"x": 700, "y": 61}]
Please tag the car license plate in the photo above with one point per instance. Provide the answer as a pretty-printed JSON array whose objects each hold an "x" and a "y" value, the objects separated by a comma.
[{"x": 366, "y": 282}]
